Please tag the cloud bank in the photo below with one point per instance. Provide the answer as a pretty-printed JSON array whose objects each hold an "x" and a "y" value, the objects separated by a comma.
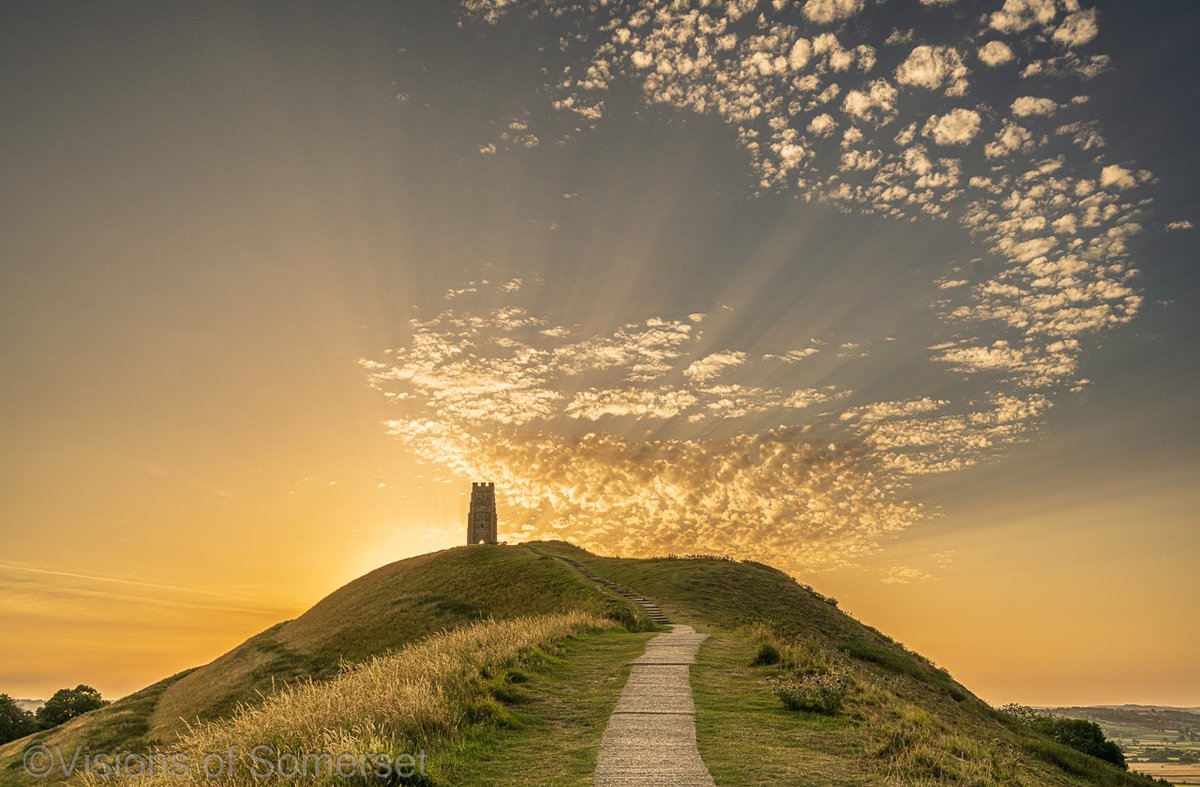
[{"x": 829, "y": 111}]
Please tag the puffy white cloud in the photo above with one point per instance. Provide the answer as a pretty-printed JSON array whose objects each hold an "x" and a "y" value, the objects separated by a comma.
[
  {"x": 1083, "y": 134},
  {"x": 711, "y": 366},
  {"x": 995, "y": 53},
  {"x": 823, "y": 12},
  {"x": 1116, "y": 175},
  {"x": 1181, "y": 224},
  {"x": 593, "y": 404},
  {"x": 884, "y": 411},
  {"x": 1018, "y": 15},
  {"x": 822, "y": 125},
  {"x": 1069, "y": 64},
  {"x": 876, "y": 104},
  {"x": 999, "y": 355},
  {"x": 956, "y": 127},
  {"x": 488, "y": 11},
  {"x": 1010, "y": 139},
  {"x": 933, "y": 66},
  {"x": 791, "y": 356},
  {"x": 1077, "y": 29},
  {"x": 1027, "y": 106}
]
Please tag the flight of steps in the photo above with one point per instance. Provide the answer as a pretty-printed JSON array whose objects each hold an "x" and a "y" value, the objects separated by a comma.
[{"x": 653, "y": 611}]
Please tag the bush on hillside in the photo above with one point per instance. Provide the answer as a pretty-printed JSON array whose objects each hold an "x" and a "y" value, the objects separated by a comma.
[
  {"x": 767, "y": 655},
  {"x": 823, "y": 693}
]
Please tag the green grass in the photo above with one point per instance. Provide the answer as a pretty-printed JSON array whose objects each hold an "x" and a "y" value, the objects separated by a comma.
[
  {"x": 905, "y": 722},
  {"x": 557, "y": 716},
  {"x": 747, "y": 737}
]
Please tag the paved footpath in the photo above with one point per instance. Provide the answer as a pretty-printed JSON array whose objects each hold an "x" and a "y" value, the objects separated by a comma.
[{"x": 651, "y": 735}]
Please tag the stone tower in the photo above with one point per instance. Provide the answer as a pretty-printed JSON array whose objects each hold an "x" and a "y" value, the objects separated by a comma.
[{"x": 481, "y": 521}]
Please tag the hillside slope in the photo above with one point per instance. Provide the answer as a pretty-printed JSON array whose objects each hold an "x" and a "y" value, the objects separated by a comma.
[
  {"x": 394, "y": 605},
  {"x": 905, "y": 721}
]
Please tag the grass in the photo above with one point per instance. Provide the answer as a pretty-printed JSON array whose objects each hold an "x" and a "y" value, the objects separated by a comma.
[
  {"x": 430, "y": 691},
  {"x": 904, "y": 720},
  {"x": 123, "y": 723},
  {"x": 386, "y": 609},
  {"x": 535, "y": 714},
  {"x": 747, "y": 737},
  {"x": 557, "y": 718}
]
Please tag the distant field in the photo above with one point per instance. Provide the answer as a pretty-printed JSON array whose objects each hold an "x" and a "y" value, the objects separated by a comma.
[
  {"x": 1175, "y": 774},
  {"x": 1159, "y": 742}
]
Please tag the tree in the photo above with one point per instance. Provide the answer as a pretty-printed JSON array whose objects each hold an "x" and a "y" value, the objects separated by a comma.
[
  {"x": 66, "y": 704},
  {"x": 15, "y": 721},
  {"x": 1082, "y": 735},
  {"x": 1079, "y": 734}
]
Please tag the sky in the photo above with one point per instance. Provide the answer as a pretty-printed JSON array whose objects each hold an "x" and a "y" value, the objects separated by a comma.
[{"x": 898, "y": 296}]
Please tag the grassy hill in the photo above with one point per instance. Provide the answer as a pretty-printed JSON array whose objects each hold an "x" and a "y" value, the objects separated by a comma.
[
  {"x": 903, "y": 721},
  {"x": 386, "y": 609}
]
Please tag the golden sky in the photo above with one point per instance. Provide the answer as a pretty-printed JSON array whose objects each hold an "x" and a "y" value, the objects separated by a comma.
[{"x": 908, "y": 313}]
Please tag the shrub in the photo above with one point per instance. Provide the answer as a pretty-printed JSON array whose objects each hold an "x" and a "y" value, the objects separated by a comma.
[
  {"x": 767, "y": 654},
  {"x": 822, "y": 693}
]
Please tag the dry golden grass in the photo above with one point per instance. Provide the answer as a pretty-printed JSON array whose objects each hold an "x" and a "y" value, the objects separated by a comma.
[{"x": 388, "y": 704}]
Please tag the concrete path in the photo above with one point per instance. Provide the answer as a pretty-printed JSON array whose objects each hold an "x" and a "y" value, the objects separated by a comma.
[{"x": 651, "y": 735}]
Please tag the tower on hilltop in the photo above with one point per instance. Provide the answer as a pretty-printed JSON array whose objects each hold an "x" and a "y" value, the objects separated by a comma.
[{"x": 481, "y": 520}]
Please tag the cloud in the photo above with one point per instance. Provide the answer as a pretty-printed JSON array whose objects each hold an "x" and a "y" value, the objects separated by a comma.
[
  {"x": 905, "y": 575},
  {"x": 1027, "y": 106},
  {"x": 995, "y": 53},
  {"x": 816, "y": 117},
  {"x": 876, "y": 103},
  {"x": 711, "y": 366},
  {"x": 791, "y": 356},
  {"x": 932, "y": 66},
  {"x": 592, "y": 405},
  {"x": 1077, "y": 29},
  {"x": 822, "y": 125},
  {"x": 956, "y": 127},
  {"x": 823, "y": 12},
  {"x": 1019, "y": 15},
  {"x": 482, "y": 393},
  {"x": 1116, "y": 175},
  {"x": 882, "y": 411},
  {"x": 1009, "y": 139},
  {"x": 1181, "y": 224}
]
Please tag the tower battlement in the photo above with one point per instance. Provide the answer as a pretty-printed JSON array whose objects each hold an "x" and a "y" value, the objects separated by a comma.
[{"x": 481, "y": 519}]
